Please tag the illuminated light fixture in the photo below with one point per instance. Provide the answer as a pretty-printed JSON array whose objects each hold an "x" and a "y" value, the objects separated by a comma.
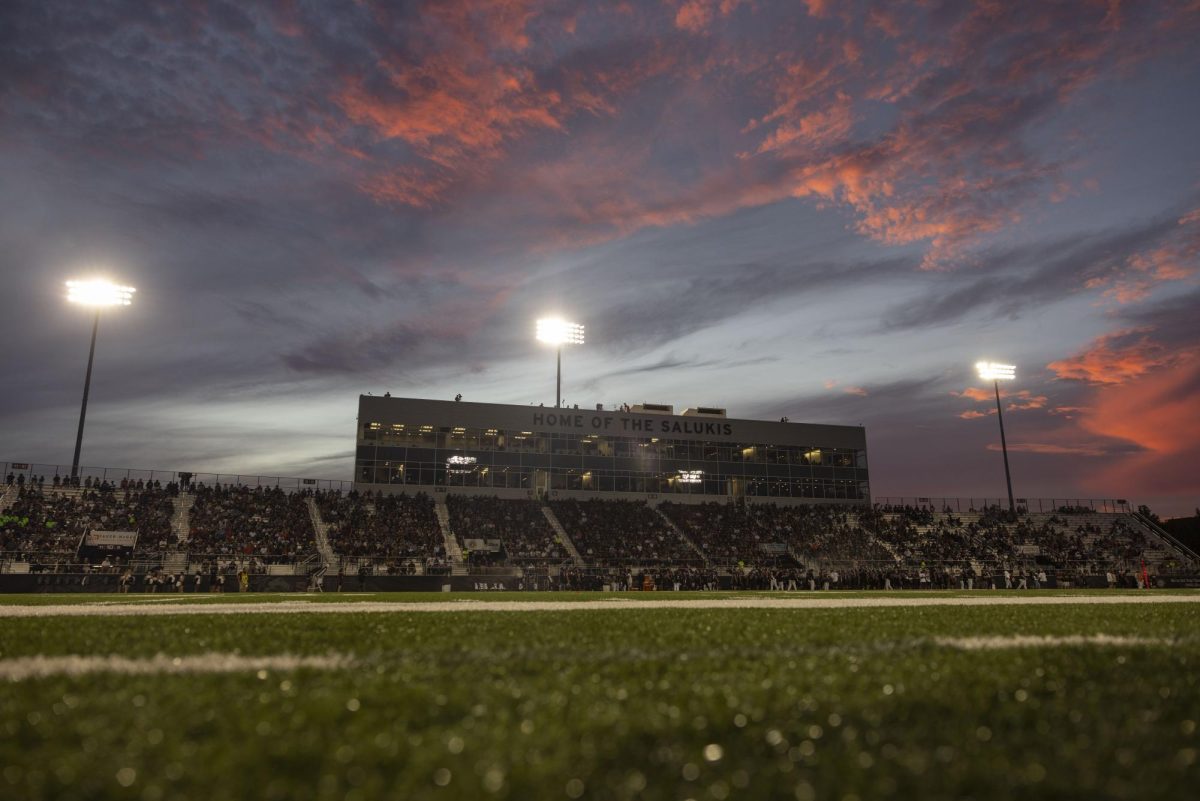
[
  {"x": 996, "y": 372},
  {"x": 459, "y": 464},
  {"x": 97, "y": 294},
  {"x": 558, "y": 332}
]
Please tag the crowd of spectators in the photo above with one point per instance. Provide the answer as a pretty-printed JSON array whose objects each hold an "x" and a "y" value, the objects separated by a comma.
[
  {"x": 993, "y": 537},
  {"x": 388, "y": 527},
  {"x": 776, "y": 535},
  {"x": 51, "y": 519},
  {"x": 525, "y": 535},
  {"x": 622, "y": 532},
  {"x": 268, "y": 523}
]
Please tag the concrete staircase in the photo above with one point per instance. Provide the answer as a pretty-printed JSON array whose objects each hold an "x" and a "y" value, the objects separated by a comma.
[
  {"x": 800, "y": 559},
  {"x": 175, "y": 562},
  {"x": 181, "y": 518},
  {"x": 552, "y": 519},
  {"x": 321, "y": 534},
  {"x": 680, "y": 533},
  {"x": 8, "y": 497},
  {"x": 453, "y": 549}
]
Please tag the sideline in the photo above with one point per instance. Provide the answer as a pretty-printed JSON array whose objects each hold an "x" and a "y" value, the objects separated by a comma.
[{"x": 611, "y": 605}]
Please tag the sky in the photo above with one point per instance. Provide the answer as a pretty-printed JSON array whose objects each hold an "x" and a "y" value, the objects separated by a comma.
[{"x": 822, "y": 210}]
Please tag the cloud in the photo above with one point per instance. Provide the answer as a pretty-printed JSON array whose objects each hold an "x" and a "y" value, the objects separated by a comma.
[
  {"x": 1114, "y": 358},
  {"x": 1175, "y": 258},
  {"x": 975, "y": 394},
  {"x": 1016, "y": 280},
  {"x": 1157, "y": 412},
  {"x": 1052, "y": 449}
]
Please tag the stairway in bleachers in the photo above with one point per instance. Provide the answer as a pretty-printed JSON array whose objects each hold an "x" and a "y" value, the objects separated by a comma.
[
  {"x": 453, "y": 549},
  {"x": 180, "y": 520},
  {"x": 682, "y": 535},
  {"x": 562, "y": 535},
  {"x": 321, "y": 535},
  {"x": 8, "y": 497}
]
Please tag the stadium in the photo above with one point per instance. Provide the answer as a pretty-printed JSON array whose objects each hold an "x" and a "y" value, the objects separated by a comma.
[
  {"x": 872, "y": 478},
  {"x": 471, "y": 495},
  {"x": 610, "y": 603}
]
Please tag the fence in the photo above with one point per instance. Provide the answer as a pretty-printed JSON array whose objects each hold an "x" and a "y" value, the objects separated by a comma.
[
  {"x": 1026, "y": 505},
  {"x": 112, "y": 475}
]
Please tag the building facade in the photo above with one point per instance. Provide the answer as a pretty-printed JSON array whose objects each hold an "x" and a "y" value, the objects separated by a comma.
[{"x": 408, "y": 444}]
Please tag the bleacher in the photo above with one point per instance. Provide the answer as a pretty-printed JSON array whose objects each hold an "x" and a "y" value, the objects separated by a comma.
[
  {"x": 622, "y": 532},
  {"x": 385, "y": 527},
  {"x": 525, "y": 535},
  {"x": 273, "y": 527}
]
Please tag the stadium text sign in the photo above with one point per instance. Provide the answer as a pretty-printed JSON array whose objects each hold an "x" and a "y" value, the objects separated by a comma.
[
  {"x": 111, "y": 539},
  {"x": 607, "y": 422}
]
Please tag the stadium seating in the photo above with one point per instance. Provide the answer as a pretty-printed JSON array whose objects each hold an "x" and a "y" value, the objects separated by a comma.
[
  {"x": 755, "y": 545},
  {"x": 383, "y": 526},
  {"x": 47, "y": 519},
  {"x": 270, "y": 524},
  {"x": 524, "y": 532},
  {"x": 622, "y": 533}
]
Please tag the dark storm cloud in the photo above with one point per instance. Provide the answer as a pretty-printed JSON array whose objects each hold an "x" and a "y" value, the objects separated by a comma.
[{"x": 1017, "y": 281}]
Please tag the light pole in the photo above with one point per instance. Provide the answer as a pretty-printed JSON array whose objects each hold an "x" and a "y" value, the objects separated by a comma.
[
  {"x": 558, "y": 332},
  {"x": 995, "y": 372},
  {"x": 95, "y": 294}
]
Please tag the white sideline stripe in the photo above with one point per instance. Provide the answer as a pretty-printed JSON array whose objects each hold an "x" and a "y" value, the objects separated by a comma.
[
  {"x": 33, "y": 667},
  {"x": 999, "y": 643},
  {"x": 400, "y": 607}
]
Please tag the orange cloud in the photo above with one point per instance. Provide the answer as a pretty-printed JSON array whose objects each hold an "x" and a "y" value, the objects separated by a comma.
[
  {"x": 1026, "y": 400},
  {"x": 971, "y": 414},
  {"x": 1156, "y": 411},
  {"x": 817, "y": 8},
  {"x": 1051, "y": 448},
  {"x": 695, "y": 16},
  {"x": 1114, "y": 358},
  {"x": 1174, "y": 260},
  {"x": 859, "y": 391},
  {"x": 976, "y": 394}
]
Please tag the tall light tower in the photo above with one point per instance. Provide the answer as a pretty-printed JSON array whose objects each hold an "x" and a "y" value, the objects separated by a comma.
[
  {"x": 995, "y": 372},
  {"x": 96, "y": 294},
  {"x": 558, "y": 332}
]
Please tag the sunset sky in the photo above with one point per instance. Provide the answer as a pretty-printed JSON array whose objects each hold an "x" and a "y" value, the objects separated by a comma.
[{"x": 825, "y": 210}]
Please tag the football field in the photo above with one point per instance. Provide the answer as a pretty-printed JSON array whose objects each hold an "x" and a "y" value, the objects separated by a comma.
[{"x": 659, "y": 696}]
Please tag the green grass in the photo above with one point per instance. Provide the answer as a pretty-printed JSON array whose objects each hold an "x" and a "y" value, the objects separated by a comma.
[{"x": 623, "y": 703}]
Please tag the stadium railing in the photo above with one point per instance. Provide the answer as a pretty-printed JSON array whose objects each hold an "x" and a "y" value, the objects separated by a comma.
[
  {"x": 115, "y": 474},
  {"x": 1024, "y": 505}
]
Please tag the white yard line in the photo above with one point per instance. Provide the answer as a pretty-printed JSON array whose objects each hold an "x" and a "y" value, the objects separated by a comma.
[
  {"x": 400, "y": 607},
  {"x": 33, "y": 667},
  {"x": 1005, "y": 642}
]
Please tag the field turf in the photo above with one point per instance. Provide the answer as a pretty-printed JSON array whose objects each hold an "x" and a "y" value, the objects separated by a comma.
[{"x": 826, "y": 703}]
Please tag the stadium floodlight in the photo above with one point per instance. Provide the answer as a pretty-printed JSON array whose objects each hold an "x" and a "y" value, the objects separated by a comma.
[
  {"x": 97, "y": 294},
  {"x": 996, "y": 372},
  {"x": 558, "y": 332}
]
